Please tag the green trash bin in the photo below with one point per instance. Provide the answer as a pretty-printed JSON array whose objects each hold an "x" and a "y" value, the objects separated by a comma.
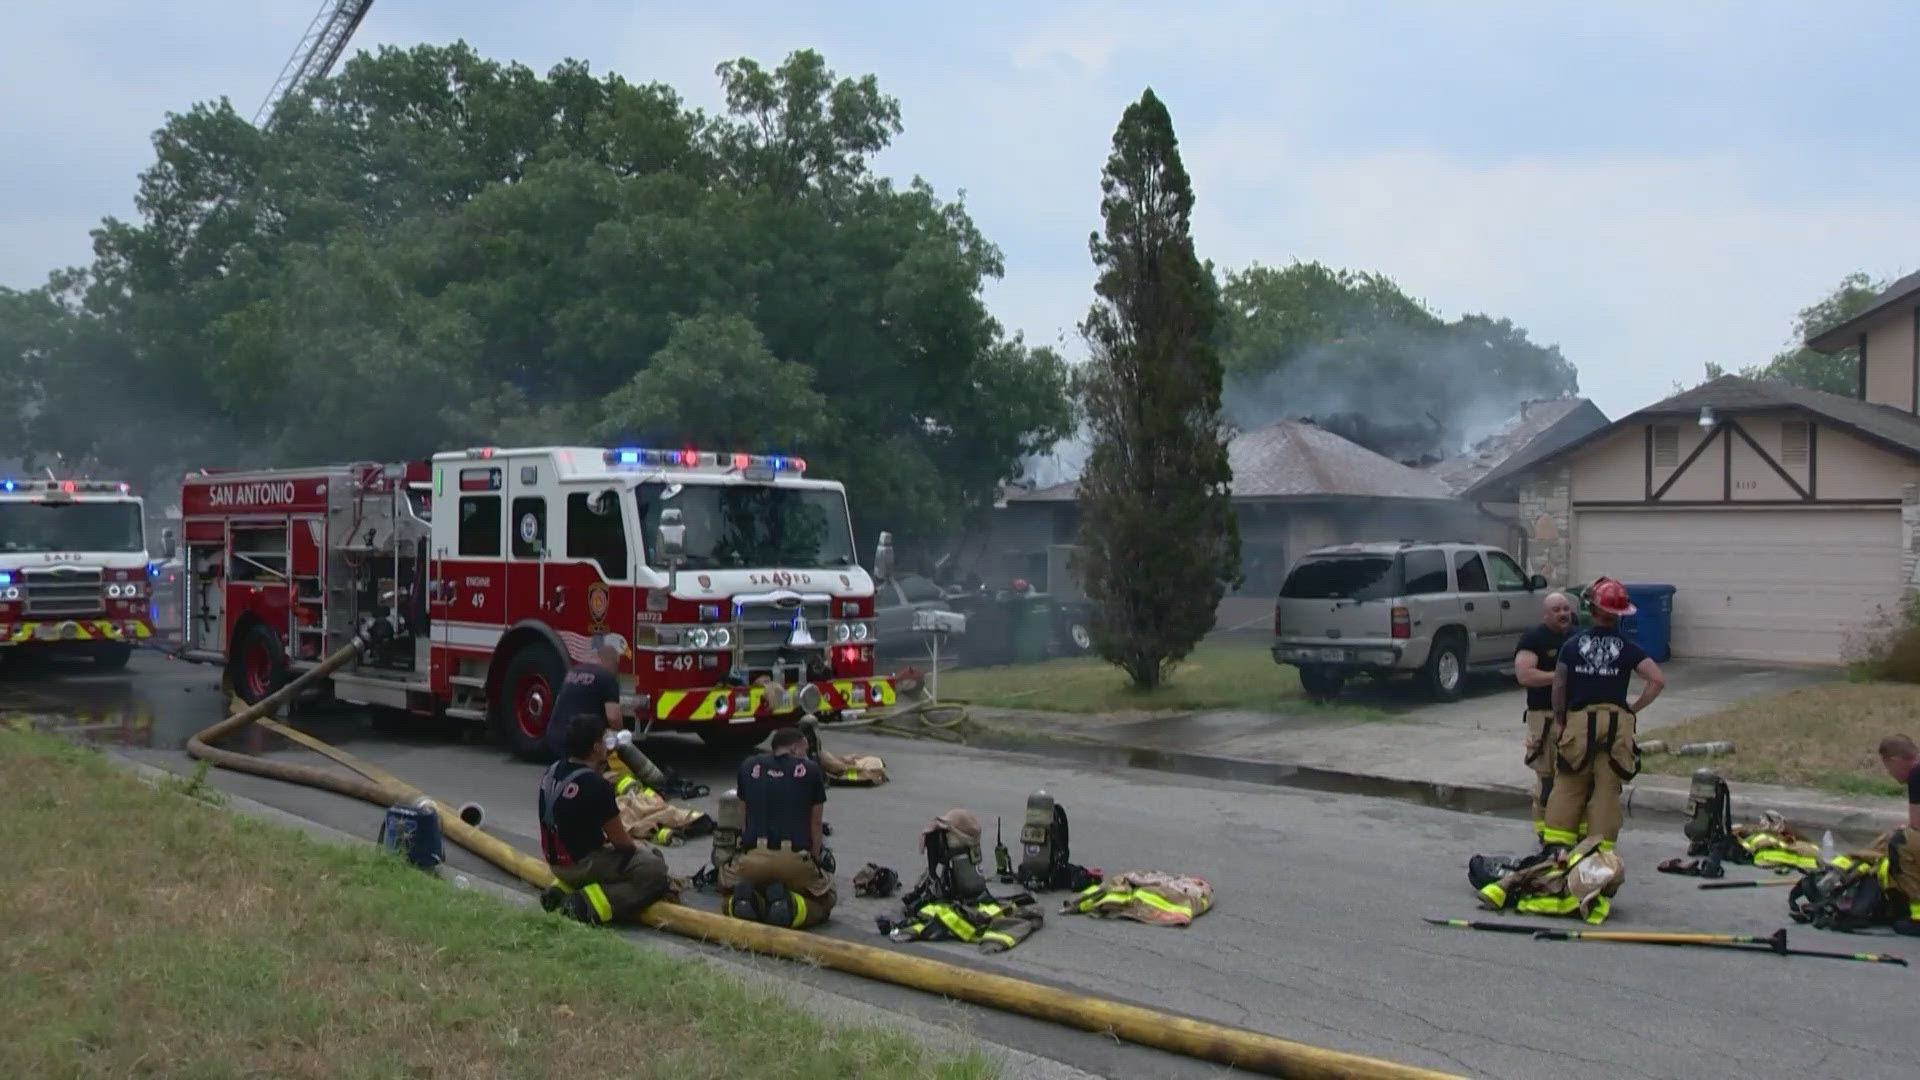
[{"x": 1031, "y": 636}]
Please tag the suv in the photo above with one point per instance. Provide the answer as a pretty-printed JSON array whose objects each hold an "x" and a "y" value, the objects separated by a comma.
[{"x": 1437, "y": 609}]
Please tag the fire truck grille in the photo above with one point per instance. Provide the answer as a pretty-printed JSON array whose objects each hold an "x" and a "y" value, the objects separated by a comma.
[
  {"x": 64, "y": 591},
  {"x": 764, "y": 629}
]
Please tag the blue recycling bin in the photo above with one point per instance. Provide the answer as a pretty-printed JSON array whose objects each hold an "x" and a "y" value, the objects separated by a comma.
[{"x": 1651, "y": 627}]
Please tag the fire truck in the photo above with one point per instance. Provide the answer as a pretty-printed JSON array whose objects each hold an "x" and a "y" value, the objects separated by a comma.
[
  {"x": 73, "y": 569},
  {"x": 727, "y": 580}
]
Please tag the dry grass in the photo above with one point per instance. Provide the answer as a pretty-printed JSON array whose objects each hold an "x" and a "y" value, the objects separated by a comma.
[
  {"x": 1820, "y": 736},
  {"x": 1215, "y": 676},
  {"x": 144, "y": 933}
]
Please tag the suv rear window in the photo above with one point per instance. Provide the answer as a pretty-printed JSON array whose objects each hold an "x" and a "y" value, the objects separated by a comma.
[{"x": 1344, "y": 577}]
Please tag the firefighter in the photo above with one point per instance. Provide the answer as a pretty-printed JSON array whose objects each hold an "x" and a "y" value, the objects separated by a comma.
[
  {"x": 778, "y": 877},
  {"x": 593, "y": 689},
  {"x": 1533, "y": 667},
  {"x": 1594, "y": 751},
  {"x": 1902, "y": 761},
  {"x": 604, "y": 875}
]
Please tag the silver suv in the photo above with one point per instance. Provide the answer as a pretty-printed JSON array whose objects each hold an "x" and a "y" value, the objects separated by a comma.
[{"x": 1437, "y": 609}]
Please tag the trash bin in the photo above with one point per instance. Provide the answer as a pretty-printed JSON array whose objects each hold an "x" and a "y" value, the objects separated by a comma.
[
  {"x": 1651, "y": 627},
  {"x": 1031, "y": 637}
]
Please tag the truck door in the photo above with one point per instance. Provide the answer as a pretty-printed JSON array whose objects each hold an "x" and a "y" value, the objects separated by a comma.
[
  {"x": 1519, "y": 605},
  {"x": 476, "y": 570},
  {"x": 1480, "y": 608},
  {"x": 528, "y": 588}
]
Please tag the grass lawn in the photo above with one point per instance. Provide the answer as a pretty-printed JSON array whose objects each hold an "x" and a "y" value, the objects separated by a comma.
[
  {"x": 1818, "y": 736},
  {"x": 1214, "y": 676},
  {"x": 146, "y": 933}
]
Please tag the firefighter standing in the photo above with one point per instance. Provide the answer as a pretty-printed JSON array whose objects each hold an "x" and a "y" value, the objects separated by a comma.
[
  {"x": 604, "y": 874},
  {"x": 778, "y": 878},
  {"x": 1594, "y": 751},
  {"x": 1533, "y": 667}
]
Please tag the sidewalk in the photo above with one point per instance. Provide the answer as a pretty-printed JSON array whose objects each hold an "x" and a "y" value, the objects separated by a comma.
[{"x": 1471, "y": 746}]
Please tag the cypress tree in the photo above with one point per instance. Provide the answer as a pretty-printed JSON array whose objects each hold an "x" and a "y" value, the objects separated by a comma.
[{"x": 1160, "y": 543}]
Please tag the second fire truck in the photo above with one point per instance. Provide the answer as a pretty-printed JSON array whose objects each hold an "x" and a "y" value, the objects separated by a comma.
[
  {"x": 729, "y": 580},
  {"x": 73, "y": 569}
]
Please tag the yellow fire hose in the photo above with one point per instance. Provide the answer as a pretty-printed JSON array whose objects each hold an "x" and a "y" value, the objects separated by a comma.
[{"x": 1233, "y": 1047}]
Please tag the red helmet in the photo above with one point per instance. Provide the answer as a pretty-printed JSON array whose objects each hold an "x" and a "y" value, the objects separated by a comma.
[{"x": 1610, "y": 596}]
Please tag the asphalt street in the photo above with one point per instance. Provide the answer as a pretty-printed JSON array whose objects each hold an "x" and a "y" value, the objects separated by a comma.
[{"x": 1316, "y": 934}]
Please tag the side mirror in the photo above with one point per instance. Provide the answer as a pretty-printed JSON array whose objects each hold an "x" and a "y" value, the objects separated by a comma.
[
  {"x": 883, "y": 557},
  {"x": 169, "y": 544},
  {"x": 605, "y": 502},
  {"x": 672, "y": 541},
  {"x": 1536, "y": 583}
]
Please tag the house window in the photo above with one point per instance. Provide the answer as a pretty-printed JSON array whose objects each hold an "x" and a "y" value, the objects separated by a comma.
[
  {"x": 1793, "y": 443},
  {"x": 1666, "y": 446}
]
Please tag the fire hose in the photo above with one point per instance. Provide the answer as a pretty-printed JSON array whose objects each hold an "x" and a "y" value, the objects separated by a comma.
[{"x": 1233, "y": 1047}]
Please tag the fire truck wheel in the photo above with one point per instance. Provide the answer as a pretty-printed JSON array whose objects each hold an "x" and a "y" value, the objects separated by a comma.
[
  {"x": 114, "y": 656},
  {"x": 739, "y": 742},
  {"x": 520, "y": 712},
  {"x": 258, "y": 667}
]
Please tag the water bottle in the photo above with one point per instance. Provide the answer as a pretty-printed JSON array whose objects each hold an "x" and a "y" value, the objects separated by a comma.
[{"x": 1826, "y": 846}]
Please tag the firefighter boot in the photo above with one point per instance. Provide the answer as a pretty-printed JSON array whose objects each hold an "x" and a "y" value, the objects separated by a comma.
[
  {"x": 779, "y": 909},
  {"x": 1036, "y": 839},
  {"x": 729, "y": 819},
  {"x": 746, "y": 903}
]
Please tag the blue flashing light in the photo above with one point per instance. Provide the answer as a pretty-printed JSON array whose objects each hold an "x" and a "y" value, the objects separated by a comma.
[
  {"x": 629, "y": 457},
  {"x": 9, "y": 485},
  {"x": 6, "y": 577}
]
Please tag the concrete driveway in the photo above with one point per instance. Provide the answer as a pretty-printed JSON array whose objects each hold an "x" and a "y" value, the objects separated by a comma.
[{"x": 1694, "y": 688}]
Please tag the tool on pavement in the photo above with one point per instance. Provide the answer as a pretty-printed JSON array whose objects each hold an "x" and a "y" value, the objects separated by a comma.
[
  {"x": 1002, "y": 862},
  {"x": 1782, "y": 882},
  {"x": 1775, "y": 943}
]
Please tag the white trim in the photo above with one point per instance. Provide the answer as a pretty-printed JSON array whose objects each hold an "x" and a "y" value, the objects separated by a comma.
[{"x": 470, "y": 636}]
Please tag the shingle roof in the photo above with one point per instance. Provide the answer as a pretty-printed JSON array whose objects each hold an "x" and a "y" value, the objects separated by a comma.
[
  {"x": 1525, "y": 437},
  {"x": 1294, "y": 459},
  {"x": 1882, "y": 424},
  {"x": 1847, "y": 333}
]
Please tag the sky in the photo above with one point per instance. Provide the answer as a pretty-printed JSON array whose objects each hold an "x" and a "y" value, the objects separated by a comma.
[{"x": 1651, "y": 186}]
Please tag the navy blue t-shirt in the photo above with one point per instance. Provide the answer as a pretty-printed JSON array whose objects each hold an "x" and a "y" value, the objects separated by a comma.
[
  {"x": 1599, "y": 661},
  {"x": 588, "y": 688}
]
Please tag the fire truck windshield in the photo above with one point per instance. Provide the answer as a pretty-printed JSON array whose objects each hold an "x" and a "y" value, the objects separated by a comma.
[
  {"x": 71, "y": 526},
  {"x": 752, "y": 525}
]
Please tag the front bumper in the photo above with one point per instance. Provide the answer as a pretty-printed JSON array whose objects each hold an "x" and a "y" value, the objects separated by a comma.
[
  {"x": 60, "y": 630},
  {"x": 1355, "y": 654},
  {"x": 747, "y": 704}
]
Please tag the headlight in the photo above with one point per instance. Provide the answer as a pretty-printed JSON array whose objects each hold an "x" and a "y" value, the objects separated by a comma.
[
  {"x": 722, "y": 638},
  {"x": 859, "y": 631},
  {"x": 842, "y": 632},
  {"x": 113, "y": 591},
  {"x": 698, "y": 637},
  {"x": 13, "y": 594}
]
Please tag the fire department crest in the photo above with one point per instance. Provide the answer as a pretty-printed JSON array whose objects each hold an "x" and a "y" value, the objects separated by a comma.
[{"x": 598, "y": 600}]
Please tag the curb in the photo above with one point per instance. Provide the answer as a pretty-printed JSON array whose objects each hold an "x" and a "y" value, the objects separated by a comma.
[
  {"x": 829, "y": 1006},
  {"x": 1639, "y": 799}
]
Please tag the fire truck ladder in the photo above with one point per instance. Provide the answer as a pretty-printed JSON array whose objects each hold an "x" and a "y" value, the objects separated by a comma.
[{"x": 326, "y": 38}]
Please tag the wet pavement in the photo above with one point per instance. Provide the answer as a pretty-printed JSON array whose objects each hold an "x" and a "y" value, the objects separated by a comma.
[{"x": 1316, "y": 935}]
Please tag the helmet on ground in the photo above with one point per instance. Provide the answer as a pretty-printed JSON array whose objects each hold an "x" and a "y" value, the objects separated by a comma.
[{"x": 1610, "y": 596}]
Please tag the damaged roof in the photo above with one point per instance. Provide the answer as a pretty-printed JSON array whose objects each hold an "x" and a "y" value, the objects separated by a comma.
[
  {"x": 1297, "y": 459},
  {"x": 1540, "y": 428}
]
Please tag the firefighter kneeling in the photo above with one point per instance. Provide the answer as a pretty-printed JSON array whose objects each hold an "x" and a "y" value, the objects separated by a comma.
[
  {"x": 603, "y": 874},
  {"x": 781, "y": 874}
]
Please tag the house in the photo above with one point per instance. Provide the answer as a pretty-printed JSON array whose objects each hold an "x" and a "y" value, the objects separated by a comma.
[
  {"x": 1887, "y": 337},
  {"x": 1538, "y": 429},
  {"x": 1296, "y": 486},
  {"x": 1784, "y": 516}
]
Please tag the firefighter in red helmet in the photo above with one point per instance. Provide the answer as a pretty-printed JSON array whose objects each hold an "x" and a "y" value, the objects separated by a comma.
[{"x": 1595, "y": 754}]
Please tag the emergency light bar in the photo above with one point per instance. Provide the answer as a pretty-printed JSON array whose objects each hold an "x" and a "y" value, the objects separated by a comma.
[
  {"x": 65, "y": 487},
  {"x": 696, "y": 459}
]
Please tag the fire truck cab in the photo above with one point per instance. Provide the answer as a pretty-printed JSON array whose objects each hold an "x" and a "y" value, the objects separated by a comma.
[
  {"x": 73, "y": 569},
  {"x": 728, "y": 581}
]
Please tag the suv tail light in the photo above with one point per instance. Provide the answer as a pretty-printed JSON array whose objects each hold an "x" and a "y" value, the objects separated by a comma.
[
  {"x": 1402, "y": 623},
  {"x": 1276, "y": 618}
]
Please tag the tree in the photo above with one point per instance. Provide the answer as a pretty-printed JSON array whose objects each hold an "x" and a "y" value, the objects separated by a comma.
[
  {"x": 1837, "y": 372},
  {"x": 436, "y": 249},
  {"x": 1157, "y": 524}
]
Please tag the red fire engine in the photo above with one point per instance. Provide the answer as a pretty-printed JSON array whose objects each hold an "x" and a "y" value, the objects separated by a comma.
[{"x": 728, "y": 579}]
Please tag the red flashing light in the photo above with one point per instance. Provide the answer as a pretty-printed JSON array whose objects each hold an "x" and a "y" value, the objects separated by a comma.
[
  {"x": 799, "y": 464},
  {"x": 690, "y": 458},
  {"x": 67, "y": 486},
  {"x": 741, "y": 461}
]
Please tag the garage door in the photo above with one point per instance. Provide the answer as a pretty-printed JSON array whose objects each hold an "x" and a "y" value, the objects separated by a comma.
[{"x": 1786, "y": 585}]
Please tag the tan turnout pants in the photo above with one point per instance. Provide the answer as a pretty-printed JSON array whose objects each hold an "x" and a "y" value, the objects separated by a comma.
[
  {"x": 618, "y": 891},
  {"x": 810, "y": 886},
  {"x": 1540, "y": 758},
  {"x": 1594, "y": 756}
]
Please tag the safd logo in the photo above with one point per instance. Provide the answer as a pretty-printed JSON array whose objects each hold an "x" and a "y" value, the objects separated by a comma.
[{"x": 598, "y": 600}]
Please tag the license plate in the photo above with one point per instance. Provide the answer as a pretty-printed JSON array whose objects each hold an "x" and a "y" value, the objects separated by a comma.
[{"x": 1335, "y": 655}]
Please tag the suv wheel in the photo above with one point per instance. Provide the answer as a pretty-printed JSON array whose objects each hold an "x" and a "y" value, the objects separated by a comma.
[
  {"x": 1446, "y": 672},
  {"x": 1321, "y": 683}
]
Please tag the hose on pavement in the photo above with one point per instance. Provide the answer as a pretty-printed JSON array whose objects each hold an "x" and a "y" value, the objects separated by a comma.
[{"x": 1233, "y": 1047}]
